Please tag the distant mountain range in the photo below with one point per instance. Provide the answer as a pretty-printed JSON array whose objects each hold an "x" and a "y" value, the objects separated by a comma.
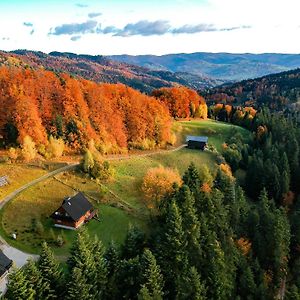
[
  {"x": 102, "y": 69},
  {"x": 276, "y": 91},
  {"x": 221, "y": 66}
]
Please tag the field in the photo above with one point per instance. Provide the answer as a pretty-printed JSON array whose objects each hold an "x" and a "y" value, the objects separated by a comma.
[
  {"x": 120, "y": 201},
  {"x": 18, "y": 175}
]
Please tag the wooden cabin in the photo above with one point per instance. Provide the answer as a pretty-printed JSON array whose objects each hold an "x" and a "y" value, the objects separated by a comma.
[
  {"x": 197, "y": 142},
  {"x": 74, "y": 212},
  {"x": 5, "y": 264}
]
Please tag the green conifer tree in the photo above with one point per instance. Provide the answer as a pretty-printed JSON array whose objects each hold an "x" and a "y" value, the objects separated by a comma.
[
  {"x": 50, "y": 269},
  {"x": 19, "y": 287},
  {"x": 77, "y": 287},
  {"x": 151, "y": 275}
]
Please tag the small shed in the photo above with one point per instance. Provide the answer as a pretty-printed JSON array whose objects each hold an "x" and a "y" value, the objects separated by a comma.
[
  {"x": 5, "y": 264},
  {"x": 196, "y": 142},
  {"x": 74, "y": 212}
]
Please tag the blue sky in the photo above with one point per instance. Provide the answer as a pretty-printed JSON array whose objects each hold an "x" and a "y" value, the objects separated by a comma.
[{"x": 151, "y": 27}]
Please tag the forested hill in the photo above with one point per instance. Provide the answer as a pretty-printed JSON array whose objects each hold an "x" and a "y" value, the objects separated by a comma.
[
  {"x": 225, "y": 66},
  {"x": 277, "y": 91},
  {"x": 102, "y": 69}
]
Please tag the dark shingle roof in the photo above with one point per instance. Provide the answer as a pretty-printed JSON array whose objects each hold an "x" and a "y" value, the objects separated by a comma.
[
  {"x": 5, "y": 263},
  {"x": 203, "y": 139},
  {"x": 77, "y": 206}
]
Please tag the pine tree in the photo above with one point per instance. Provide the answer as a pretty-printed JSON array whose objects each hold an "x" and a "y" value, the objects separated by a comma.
[
  {"x": 19, "y": 287},
  {"x": 196, "y": 288},
  {"x": 191, "y": 224},
  {"x": 175, "y": 260},
  {"x": 41, "y": 287},
  {"x": 82, "y": 256},
  {"x": 134, "y": 242},
  {"x": 151, "y": 275},
  {"x": 191, "y": 178},
  {"x": 293, "y": 293},
  {"x": 99, "y": 279},
  {"x": 50, "y": 269},
  {"x": 144, "y": 294},
  {"x": 77, "y": 287},
  {"x": 112, "y": 257}
]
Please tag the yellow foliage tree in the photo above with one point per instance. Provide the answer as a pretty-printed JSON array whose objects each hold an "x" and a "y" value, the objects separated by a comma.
[
  {"x": 157, "y": 182},
  {"x": 29, "y": 151},
  {"x": 55, "y": 147}
]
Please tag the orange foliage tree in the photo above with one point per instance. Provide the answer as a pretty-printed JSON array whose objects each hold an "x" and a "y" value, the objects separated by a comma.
[
  {"x": 182, "y": 102},
  {"x": 157, "y": 182},
  {"x": 39, "y": 104}
]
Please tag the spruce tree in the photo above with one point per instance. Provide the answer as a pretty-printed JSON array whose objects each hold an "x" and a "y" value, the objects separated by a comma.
[
  {"x": 19, "y": 287},
  {"x": 50, "y": 269},
  {"x": 134, "y": 242},
  {"x": 175, "y": 259},
  {"x": 112, "y": 257},
  {"x": 191, "y": 225},
  {"x": 196, "y": 288},
  {"x": 99, "y": 278},
  {"x": 77, "y": 287},
  {"x": 191, "y": 178},
  {"x": 41, "y": 287},
  {"x": 151, "y": 275}
]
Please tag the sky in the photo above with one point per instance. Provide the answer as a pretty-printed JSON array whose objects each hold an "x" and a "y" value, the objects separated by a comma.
[{"x": 109, "y": 27}]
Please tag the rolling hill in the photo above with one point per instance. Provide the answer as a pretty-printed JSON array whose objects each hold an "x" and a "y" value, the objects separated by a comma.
[
  {"x": 277, "y": 91},
  {"x": 102, "y": 69},
  {"x": 223, "y": 66}
]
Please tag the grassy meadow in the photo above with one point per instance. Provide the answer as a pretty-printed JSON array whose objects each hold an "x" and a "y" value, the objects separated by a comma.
[{"x": 120, "y": 202}]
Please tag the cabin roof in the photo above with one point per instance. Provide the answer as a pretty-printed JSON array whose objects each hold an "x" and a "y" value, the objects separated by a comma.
[
  {"x": 203, "y": 139},
  {"x": 5, "y": 263},
  {"x": 76, "y": 206}
]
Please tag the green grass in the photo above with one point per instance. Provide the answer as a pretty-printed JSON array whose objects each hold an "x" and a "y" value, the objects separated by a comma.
[
  {"x": 39, "y": 201},
  {"x": 129, "y": 173},
  {"x": 217, "y": 132},
  {"x": 18, "y": 175}
]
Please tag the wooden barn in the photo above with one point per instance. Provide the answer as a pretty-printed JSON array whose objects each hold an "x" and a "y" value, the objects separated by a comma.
[
  {"x": 196, "y": 142},
  {"x": 5, "y": 264},
  {"x": 74, "y": 212}
]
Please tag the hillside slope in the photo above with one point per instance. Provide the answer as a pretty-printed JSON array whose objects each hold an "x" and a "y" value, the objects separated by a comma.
[
  {"x": 225, "y": 66},
  {"x": 102, "y": 69},
  {"x": 276, "y": 91}
]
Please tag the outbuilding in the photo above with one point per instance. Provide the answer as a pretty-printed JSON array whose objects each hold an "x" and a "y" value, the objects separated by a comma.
[{"x": 197, "y": 142}]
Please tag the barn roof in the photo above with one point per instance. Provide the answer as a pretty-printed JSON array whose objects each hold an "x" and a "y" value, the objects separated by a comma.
[
  {"x": 77, "y": 206},
  {"x": 203, "y": 139},
  {"x": 5, "y": 263}
]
